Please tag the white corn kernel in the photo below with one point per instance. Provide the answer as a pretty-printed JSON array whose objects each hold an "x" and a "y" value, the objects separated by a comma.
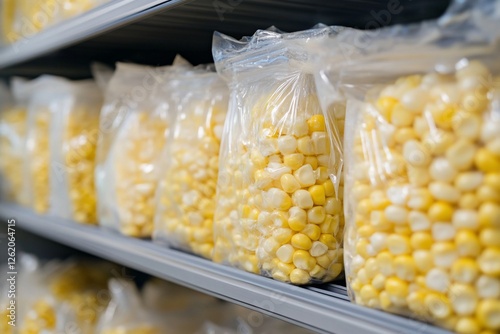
[
  {"x": 442, "y": 170},
  {"x": 305, "y": 176},
  {"x": 287, "y": 144}
]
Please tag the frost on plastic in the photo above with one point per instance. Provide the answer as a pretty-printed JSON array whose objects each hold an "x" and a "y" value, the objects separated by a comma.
[
  {"x": 279, "y": 210},
  {"x": 13, "y": 116},
  {"x": 75, "y": 132},
  {"x": 423, "y": 167},
  {"x": 186, "y": 197},
  {"x": 134, "y": 123}
]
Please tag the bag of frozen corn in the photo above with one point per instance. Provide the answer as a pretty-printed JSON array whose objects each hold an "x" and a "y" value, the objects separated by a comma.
[
  {"x": 49, "y": 96},
  {"x": 423, "y": 169},
  {"x": 186, "y": 194},
  {"x": 279, "y": 198},
  {"x": 135, "y": 117},
  {"x": 74, "y": 137},
  {"x": 13, "y": 122}
]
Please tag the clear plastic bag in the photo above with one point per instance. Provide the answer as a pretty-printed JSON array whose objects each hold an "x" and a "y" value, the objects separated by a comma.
[
  {"x": 423, "y": 169},
  {"x": 13, "y": 117},
  {"x": 279, "y": 197},
  {"x": 186, "y": 194},
  {"x": 48, "y": 97},
  {"x": 60, "y": 296},
  {"x": 134, "y": 122},
  {"x": 74, "y": 137},
  {"x": 126, "y": 313}
]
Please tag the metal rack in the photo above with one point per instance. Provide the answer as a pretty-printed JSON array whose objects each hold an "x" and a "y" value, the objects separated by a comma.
[{"x": 324, "y": 309}]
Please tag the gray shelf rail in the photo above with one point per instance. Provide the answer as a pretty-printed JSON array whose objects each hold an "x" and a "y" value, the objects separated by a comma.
[{"x": 323, "y": 309}]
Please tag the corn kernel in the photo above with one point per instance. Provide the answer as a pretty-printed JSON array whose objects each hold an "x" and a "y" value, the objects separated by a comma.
[
  {"x": 298, "y": 218},
  {"x": 303, "y": 260},
  {"x": 440, "y": 211},
  {"x": 301, "y": 241},
  {"x": 305, "y": 176},
  {"x": 312, "y": 231},
  {"x": 299, "y": 276},
  {"x": 294, "y": 160},
  {"x": 302, "y": 198},
  {"x": 316, "y": 123},
  {"x": 489, "y": 262},
  {"x": 464, "y": 270},
  {"x": 405, "y": 267},
  {"x": 486, "y": 161},
  {"x": 463, "y": 299},
  {"x": 438, "y": 305},
  {"x": 318, "y": 194},
  {"x": 467, "y": 325},
  {"x": 396, "y": 287},
  {"x": 316, "y": 215},
  {"x": 488, "y": 313},
  {"x": 489, "y": 215},
  {"x": 329, "y": 240},
  {"x": 398, "y": 244},
  {"x": 287, "y": 144},
  {"x": 289, "y": 183},
  {"x": 311, "y": 160},
  {"x": 467, "y": 243},
  {"x": 444, "y": 253},
  {"x": 423, "y": 260},
  {"x": 421, "y": 240}
]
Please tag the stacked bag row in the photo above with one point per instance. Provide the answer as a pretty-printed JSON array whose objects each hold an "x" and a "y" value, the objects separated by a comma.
[
  {"x": 96, "y": 297},
  {"x": 246, "y": 167},
  {"x": 21, "y": 19}
]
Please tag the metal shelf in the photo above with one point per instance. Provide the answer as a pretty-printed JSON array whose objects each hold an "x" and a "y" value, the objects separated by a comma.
[
  {"x": 322, "y": 308},
  {"x": 153, "y": 31},
  {"x": 108, "y": 16}
]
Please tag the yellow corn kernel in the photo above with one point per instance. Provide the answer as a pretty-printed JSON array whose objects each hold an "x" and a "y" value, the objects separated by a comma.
[
  {"x": 294, "y": 160},
  {"x": 398, "y": 244},
  {"x": 324, "y": 261},
  {"x": 423, "y": 260},
  {"x": 396, "y": 287},
  {"x": 440, "y": 211},
  {"x": 416, "y": 302},
  {"x": 299, "y": 276},
  {"x": 420, "y": 199},
  {"x": 311, "y": 160},
  {"x": 301, "y": 241},
  {"x": 385, "y": 262},
  {"x": 464, "y": 270},
  {"x": 486, "y": 161},
  {"x": 467, "y": 243},
  {"x": 468, "y": 201},
  {"x": 368, "y": 292},
  {"x": 328, "y": 188},
  {"x": 371, "y": 267},
  {"x": 365, "y": 231},
  {"x": 489, "y": 215},
  {"x": 318, "y": 272},
  {"x": 421, "y": 240},
  {"x": 385, "y": 105},
  {"x": 385, "y": 300},
  {"x": 318, "y": 194},
  {"x": 316, "y": 123},
  {"x": 333, "y": 206},
  {"x": 334, "y": 270},
  {"x": 362, "y": 248},
  {"x": 289, "y": 183},
  {"x": 405, "y": 267},
  {"x": 329, "y": 240},
  {"x": 282, "y": 235},
  {"x": 490, "y": 237},
  {"x": 438, "y": 305},
  {"x": 488, "y": 314},
  {"x": 316, "y": 215},
  {"x": 312, "y": 231},
  {"x": 378, "y": 200},
  {"x": 444, "y": 253},
  {"x": 303, "y": 260},
  {"x": 489, "y": 261},
  {"x": 298, "y": 219},
  {"x": 493, "y": 180},
  {"x": 286, "y": 268},
  {"x": 467, "y": 325}
]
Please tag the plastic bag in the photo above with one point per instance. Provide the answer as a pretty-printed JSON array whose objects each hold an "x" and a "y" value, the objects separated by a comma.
[
  {"x": 12, "y": 140},
  {"x": 279, "y": 197},
  {"x": 186, "y": 194},
  {"x": 74, "y": 137},
  {"x": 44, "y": 102},
  {"x": 126, "y": 313},
  {"x": 134, "y": 122},
  {"x": 60, "y": 296},
  {"x": 423, "y": 169}
]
